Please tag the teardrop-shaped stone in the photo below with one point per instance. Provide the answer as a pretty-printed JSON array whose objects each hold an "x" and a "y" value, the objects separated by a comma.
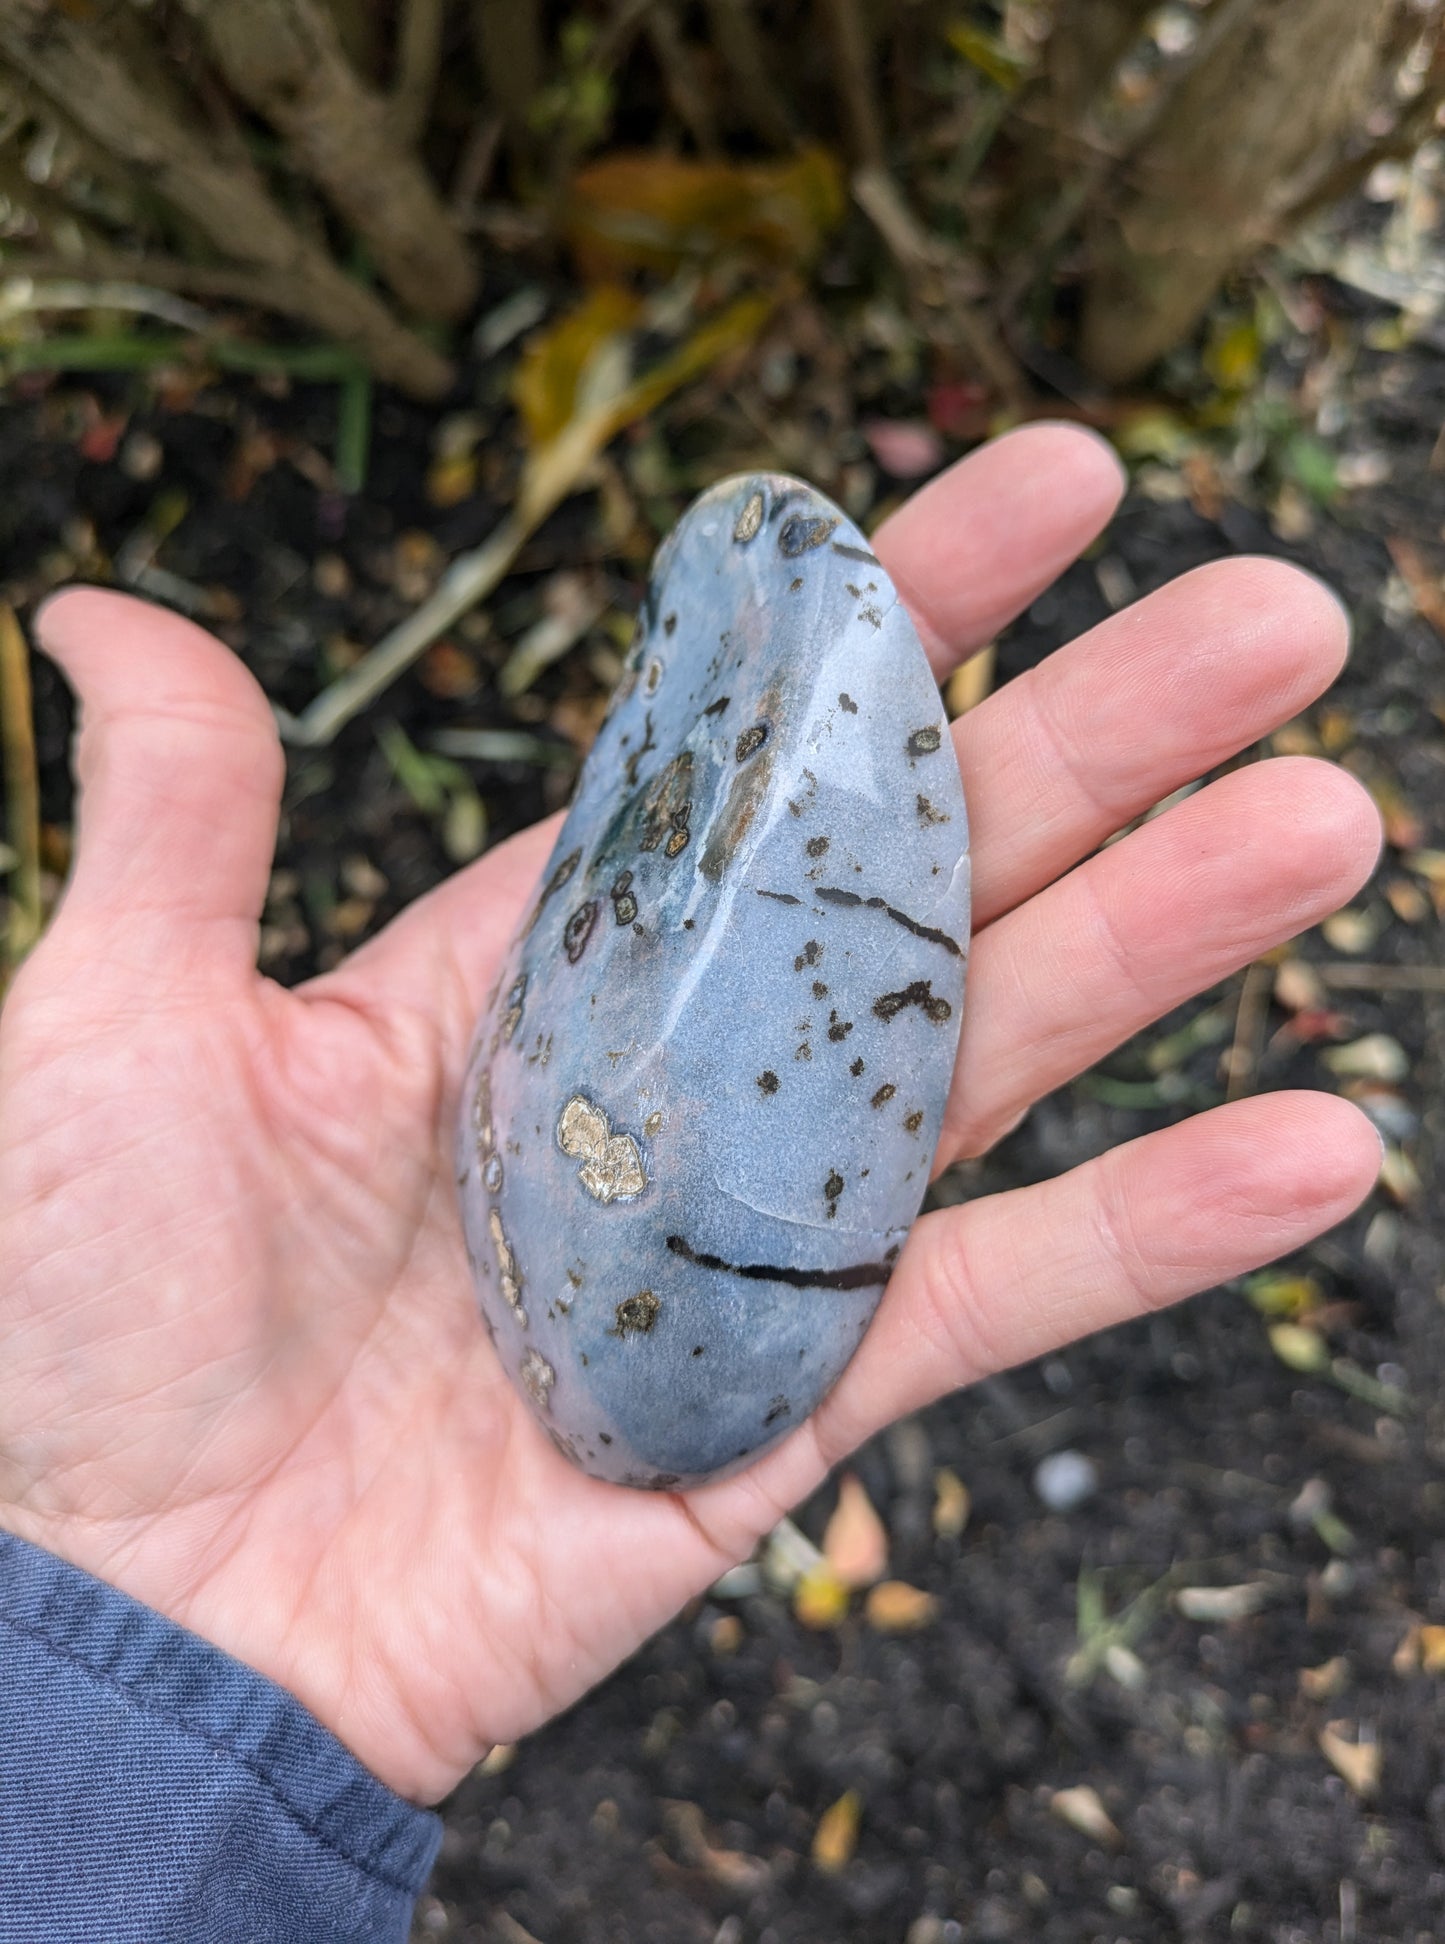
[{"x": 701, "y": 1108}]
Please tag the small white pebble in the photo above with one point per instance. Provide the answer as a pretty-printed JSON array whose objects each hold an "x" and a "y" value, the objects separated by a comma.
[{"x": 1065, "y": 1479}]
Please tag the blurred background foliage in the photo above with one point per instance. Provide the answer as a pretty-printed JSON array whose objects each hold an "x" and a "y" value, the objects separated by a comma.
[{"x": 1058, "y": 186}]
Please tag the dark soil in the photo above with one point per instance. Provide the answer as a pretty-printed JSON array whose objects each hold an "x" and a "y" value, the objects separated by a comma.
[{"x": 680, "y": 1801}]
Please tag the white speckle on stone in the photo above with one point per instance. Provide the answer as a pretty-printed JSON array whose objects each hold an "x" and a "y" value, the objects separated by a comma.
[
  {"x": 1065, "y": 1480},
  {"x": 539, "y": 1377}
]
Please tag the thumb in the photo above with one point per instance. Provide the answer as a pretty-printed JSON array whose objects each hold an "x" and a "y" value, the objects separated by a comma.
[{"x": 180, "y": 775}]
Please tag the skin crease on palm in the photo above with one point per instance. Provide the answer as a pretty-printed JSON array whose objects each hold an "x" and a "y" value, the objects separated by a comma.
[{"x": 244, "y": 1377}]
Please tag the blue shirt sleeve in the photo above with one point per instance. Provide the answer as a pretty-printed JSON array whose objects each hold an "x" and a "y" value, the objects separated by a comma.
[{"x": 155, "y": 1791}]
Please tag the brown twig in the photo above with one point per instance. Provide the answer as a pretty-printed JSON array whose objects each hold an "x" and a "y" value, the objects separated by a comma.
[
  {"x": 72, "y": 63},
  {"x": 284, "y": 59},
  {"x": 22, "y": 792},
  {"x": 937, "y": 278},
  {"x": 418, "y": 59},
  {"x": 680, "y": 77},
  {"x": 736, "y": 37},
  {"x": 1242, "y": 1060},
  {"x": 856, "y": 92},
  {"x": 1383, "y": 978}
]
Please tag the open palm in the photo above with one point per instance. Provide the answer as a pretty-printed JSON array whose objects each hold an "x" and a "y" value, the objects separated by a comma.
[{"x": 244, "y": 1377}]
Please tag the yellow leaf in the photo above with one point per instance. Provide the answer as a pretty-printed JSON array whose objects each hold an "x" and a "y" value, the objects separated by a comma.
[
  {"x": 951, "y": 1504},
  {"x": 1358, "y": 1762},
  {"x": 820, "y": 1599},
  {"x": 1303, "y": 1349},
  {"x": 836, "y": 1836},
  {"x": 1274, "y": 1293},
  {"x": 988, "y": 54},
  {"x": 550, "y": 384},
  {"x": 855, "y": 1542},
  {"x": 1432, "y": 1649},
  {"x": 656, "y": 212},
  {"x": 1232, "y": 357},
  {"x": 897, "y": 1607}
]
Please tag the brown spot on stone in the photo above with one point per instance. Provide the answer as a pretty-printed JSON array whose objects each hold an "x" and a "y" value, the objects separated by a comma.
[
  {"x": 928, "y": 815},
  {"x": 816, "y": 846},
  {"x": 820, "y": 991},
  {"x": 832, "y": 1188},
  {"x": 750, "y": 741},
  {"x": 884, "y": 1094},
  {"x": 923, "y": 742},
  {"x": 856, "y": 1068},
  {"x": 654, "y": 676},
  {"x": 799, "y": 535},
  {"x": 810, "y": 955},
  {"x": 669, "y": 625},
  {"x": 795, "y": 584},
  {"x": 838, "y": 1029},
  {"x": 779, "y": 1408},
  {"x": 512, "y": 1017},
  {"x": 914, "y": 1120},
  {"x": 847, "y": 704},
  {"x": 921, "y": 994},
  {"x": 636, "y": 1315},
  {"x": 579, "y": 930},
  {"x": 768, "y": 1081},
  {"x": 668, "y": 802},
  {"x": 804, "y": 1052},
  {"x": 730, "y": 828},
  {"x": 652, "y": 1125},
  {"x": 716, "y": 708}
]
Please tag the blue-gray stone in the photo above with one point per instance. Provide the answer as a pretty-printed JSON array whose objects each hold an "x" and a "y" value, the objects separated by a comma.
[{"x": 700, "y": 1111}]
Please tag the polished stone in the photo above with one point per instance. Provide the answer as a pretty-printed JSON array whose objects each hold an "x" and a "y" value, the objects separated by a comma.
[{"x": 701, "y": 1108}]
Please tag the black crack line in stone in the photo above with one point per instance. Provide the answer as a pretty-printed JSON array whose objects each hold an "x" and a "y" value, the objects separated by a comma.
[
  {"x": 856, "y": 553},
  {"x": 934, "y": 937},
  {"x": 858, "y": 1275},
  {"x": 782, "y": 897}
]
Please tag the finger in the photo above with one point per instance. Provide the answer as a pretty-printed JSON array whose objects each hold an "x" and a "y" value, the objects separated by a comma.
[
  {"x": 442, "y": 953},
  {"x": 971, "y": 549},
  {"x": 1178, "y": 905},
  {"x": 180, "y": 776},
  {"x": 1010, "y": 1277},
  {"x": 1070, "y": 751}
]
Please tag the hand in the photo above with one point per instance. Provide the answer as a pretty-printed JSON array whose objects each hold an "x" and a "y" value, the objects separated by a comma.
[{"x": 244, "y": 1376}]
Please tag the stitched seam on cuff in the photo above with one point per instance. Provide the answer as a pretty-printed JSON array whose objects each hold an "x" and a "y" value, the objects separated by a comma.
[{"x": 218, "y": 1747}]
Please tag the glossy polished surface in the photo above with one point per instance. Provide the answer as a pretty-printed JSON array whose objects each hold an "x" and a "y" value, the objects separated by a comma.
[{"x": 701, "y": 1108}]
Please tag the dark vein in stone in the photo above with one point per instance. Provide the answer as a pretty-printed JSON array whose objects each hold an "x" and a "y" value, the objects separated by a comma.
[
  {"x": 934, "y": 937},
  {"x": 858, "y": 1275},
  {"x": 855, "y": 553},
  {"x": 781, "y": 897}
]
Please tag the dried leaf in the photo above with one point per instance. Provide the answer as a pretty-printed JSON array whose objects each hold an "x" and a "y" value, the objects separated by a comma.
[
  {"x": 1399, "y": 1177},
  {"x": 1432, "y": 1649},
  {"x": 1351, "y": 931},
  {"x": 1274, "y": 1292},
  {"x": 855, "y": 1541},
  {"x": 1426, "y": 589},
  {"x": 1407, "y": 900},
  {"x": 1375, "y": 1057},
  {"x": 1299, "y": 1347},
  {"x": 836, "y": 1836},
  {"x": 897, "y": 1607},
  {"x": 657, "y": 212},
  {"x": 560, "y": 364},
  {"x": 1082, "y": 1810},
  {"x": 1324, "y": 1682},
  {"x": 820, "y": 1599},
  {"x": 1358, "y": 1762},
  {"x": 951, "y": 1504},
  {"x": 1221, "y": 1604}
]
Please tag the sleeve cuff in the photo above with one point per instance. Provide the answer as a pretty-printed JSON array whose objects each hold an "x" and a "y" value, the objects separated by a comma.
[{"x": 153, "y": 1788}]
